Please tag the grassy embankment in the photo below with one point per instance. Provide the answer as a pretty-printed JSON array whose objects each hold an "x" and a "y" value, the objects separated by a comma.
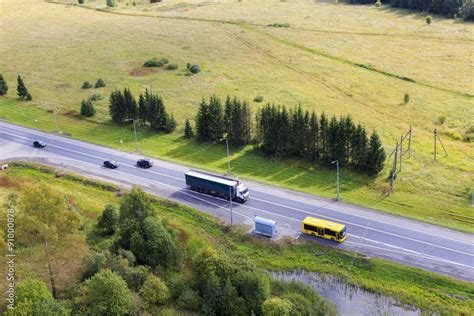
[
  {"x": 426, "y": 290},
  {"x": 314, "y": 63}
]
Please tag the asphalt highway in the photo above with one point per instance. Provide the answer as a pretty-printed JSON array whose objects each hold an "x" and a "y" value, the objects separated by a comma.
[{"x": 369, "y": 232}]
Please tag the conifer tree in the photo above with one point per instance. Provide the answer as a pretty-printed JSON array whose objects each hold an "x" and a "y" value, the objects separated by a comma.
[
  {"x": 216, "y": 119},
  {"x": 21, "y": 89},
  {"x": 3, "y": 85},
  {"x": 313, "y": 137},
  {"x": 188, "y": 130},
  {"x": 170, "y": 123},
  {"x": 117, "y": 107},
  {"x": 323, "y": 137},
  {"x": 202, "y": 122},
  {"x": 376, "y": 155},
  {"x": 130, "y": 104},
  {"x": 246, "y": 123},
  {"x": 143, "y": 106},
  {"x": 156, "y": 113},
  {"x": 87, "y": 108},
  {"x": 359, "y": 148}
]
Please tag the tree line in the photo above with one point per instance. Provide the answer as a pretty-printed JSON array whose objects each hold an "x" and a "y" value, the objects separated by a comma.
[
  {"x": 150, "y": 109},
  {"x": 297, "y": 133},
  {"x": 451, "y": 8}
]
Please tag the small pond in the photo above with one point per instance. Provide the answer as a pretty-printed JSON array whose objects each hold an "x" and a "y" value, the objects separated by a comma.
[{"x": 350, "y": 300}]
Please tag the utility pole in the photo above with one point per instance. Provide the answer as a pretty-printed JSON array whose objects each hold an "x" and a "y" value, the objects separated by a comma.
[
  {"x": 401, "y": 152},
  {"x": 409, "y": 143},
  {"x": 228, "y": 156},
  {"x": 394, "y": 168},
  {"x": 55, "y": 114},
  {"x": 337, "y": 178},
  {"x": 230, "y": 206},
  {"x": 435, "y": 136},
  {"x": 135, "y": 133}
]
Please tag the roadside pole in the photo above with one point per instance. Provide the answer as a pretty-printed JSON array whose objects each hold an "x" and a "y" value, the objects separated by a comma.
[
  {"x": 337, "y": 178},
  {"x": 230, "y": 206}
]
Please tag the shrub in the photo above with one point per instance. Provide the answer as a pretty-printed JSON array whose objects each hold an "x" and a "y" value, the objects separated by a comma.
[
  {"x": 81, "y": 1},
  {"x": 378, "y": 4},
  {"x": 406, "y": 98},
  {"x": 153, "y": 63},
  {"x": 108, "y": 221},
  {"x": 441, "y": 119},
  {"x": 93, "y": 263},
  {"x": 164, "y": 60},
  {"x": 171, "y": 67},
  {"x": 155, "y": 291},
  {"x": 87, "y": 108},
  {"x": 469, "y": 136},
  {"x": 48, "y": 307},
  {"x": 188, "y": 65},
  {"x": 96, "y": 96},
  {"x": 258, "y": 99},
  {"x": 429, "y": 19},
  {"x": 109, "y": 294},
  {"x": 86, "y": 85},
  {"x": 111, "y": 3},
  {"x": 279, "y": 25},
  {"x": 100, "y": 83},
  {"x": 277, "y": 307},
  {"x": 194, "y": 69},
  {"x": 188, "y": 300},
  {"x": 28, "y": 97},
  {"x": 454, "y": 134}
]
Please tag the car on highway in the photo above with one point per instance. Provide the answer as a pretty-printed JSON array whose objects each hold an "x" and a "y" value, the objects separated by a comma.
[
  {"x": 145, "y": 163},
  {"x": 39, "y": 144},
  {"x": 111, "y": 164}
]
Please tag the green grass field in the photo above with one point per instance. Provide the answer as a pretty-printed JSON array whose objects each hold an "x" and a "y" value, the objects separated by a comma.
[
  {"x": 316, "y": 62},
  {"x": 425, "y": 290}
]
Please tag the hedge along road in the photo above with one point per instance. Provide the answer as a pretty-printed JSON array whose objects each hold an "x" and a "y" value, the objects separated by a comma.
[{"x": 379, "y": 235}]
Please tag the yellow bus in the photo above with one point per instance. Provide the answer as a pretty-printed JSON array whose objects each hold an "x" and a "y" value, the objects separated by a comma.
[{"x": 324, "y": 229}]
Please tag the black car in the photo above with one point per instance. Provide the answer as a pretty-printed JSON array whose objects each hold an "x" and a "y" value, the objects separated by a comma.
[
  {"x": 111, "y": 164},
  {"x": 39, "y": 144},
  {"x": 145, "y": 163}
]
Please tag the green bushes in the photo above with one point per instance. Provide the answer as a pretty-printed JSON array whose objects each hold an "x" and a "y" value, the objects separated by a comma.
[
  {"x": 156, "y": 62},
  {"x": 87, "y": 108},
  {"x": 192, "y": 69},
  {"x": 469, "y": 135},
  {"x": 109, "y": 294},
  {"x": 86, "y": 85},
  {"x": 108, "y": 220},
  {"x": 429, "y": 19},
  {"x": 80, "y": 1},
  {"x": 155, "y": 291},
  {"x": 96, "y": 96},
  {"x": 258, "y": 99},
  {"x": 278, "y": 25},
  {"x": 100, "y": 83},
  {"x": 171, "y": 66},
  {"x": 110, "y": 3}
]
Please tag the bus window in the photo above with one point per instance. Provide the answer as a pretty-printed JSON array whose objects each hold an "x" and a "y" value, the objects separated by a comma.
[
  {"x": 310, "y": 228},
  {"x": 329, "y": 232}
]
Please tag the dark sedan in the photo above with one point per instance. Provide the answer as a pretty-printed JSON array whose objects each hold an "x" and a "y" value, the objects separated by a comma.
[
  {"x": 145, "y": 163},
  {"x": 39, "y": 144},
  {"x": 111, "y": 164}
]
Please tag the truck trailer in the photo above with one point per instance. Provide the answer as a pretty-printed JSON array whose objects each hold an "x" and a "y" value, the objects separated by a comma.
[{"x": 217, "y": 185}]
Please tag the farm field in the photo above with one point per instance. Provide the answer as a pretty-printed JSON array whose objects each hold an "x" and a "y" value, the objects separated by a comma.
[
  {"x": 427, "y": 291},
  {"x": 316, "y": 62}
]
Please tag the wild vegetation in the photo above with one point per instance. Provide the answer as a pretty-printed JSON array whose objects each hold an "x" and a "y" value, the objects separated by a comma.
[
  {"x": 199, "y": 258},
  {"x": 328, "y": 60}
]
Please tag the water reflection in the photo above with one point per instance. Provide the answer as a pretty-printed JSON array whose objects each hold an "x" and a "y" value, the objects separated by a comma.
[{"x": 350, "y": 300}]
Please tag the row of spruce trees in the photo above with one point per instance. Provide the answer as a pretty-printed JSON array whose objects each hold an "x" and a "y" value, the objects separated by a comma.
[
  {"x": 451, "y": 8},
  {"x": 150, "y": 109},
  {"x": 296, "y": 133}
]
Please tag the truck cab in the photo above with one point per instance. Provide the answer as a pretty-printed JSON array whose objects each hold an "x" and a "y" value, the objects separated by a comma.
[{"x": 242, "y": 193}]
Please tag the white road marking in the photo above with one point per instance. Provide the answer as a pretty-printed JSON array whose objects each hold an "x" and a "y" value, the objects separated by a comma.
[
  {"x": 88, "y": 146},
  {"x": 254, "y": 208}
]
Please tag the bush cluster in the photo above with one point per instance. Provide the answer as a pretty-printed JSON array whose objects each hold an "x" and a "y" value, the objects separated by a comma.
[
  {"x": 154, "y": 62},
  {"x": 193, "y": 69},
  {"x": 279, "y": 25},
  {"x": 87, "y": 108}
]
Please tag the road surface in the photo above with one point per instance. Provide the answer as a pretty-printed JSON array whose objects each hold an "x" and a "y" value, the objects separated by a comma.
[{"x": 370, "y": 233}]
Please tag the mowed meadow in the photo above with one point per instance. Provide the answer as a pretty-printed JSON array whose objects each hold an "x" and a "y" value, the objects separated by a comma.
[{"x": 335, "y": 58}]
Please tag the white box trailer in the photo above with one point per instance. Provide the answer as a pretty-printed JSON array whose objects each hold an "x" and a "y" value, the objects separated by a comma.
[{"x": 265, "y": 227}]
